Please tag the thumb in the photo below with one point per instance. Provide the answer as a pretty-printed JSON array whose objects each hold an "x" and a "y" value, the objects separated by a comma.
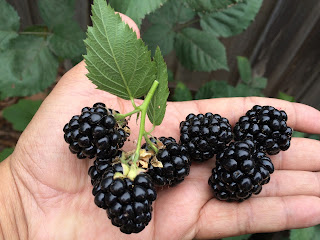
[{"x": 131, "y": 23}]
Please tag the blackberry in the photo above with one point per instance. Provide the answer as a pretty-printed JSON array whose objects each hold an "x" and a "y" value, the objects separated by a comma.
[
  {"x": 205, "y": 135},
  {"x": 240, "y": 171},
  {"x": 128, "y": 202},
  {"x": 175, "y": 161},
  {"x": 267, "y": 127},
  {"x": 95, "y": 132}
]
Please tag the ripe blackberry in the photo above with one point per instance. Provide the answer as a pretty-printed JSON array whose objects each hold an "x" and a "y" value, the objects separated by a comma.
[
  {"x": 95, "y": 132},
  {"x": 240, "y": 171},
  {"x": 175, "y": 161},
  {"x": 267, "y": 127},
  {"x": 205, "y": 135},
  {"x": 128, "y": 202}
]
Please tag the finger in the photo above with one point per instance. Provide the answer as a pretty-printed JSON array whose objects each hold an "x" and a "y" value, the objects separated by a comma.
[
  {"x": 292, "y": 183},
  {"x": 223, "y": 219},
  {"x": 300, "y": 117},
  {"x": 303, "y": 155}
]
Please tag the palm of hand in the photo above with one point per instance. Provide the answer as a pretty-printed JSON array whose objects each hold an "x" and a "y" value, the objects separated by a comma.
[{"x": 56, "y": 192}]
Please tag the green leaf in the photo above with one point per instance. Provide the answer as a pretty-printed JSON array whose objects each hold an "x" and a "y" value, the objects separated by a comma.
[
  {"x": 311, "y": 233},
  {"x": 158, "y": 104},
  {"x": 200, "y": 50},
  {"x": 241, "y": 237},
  {"x": 20, "y": 114},
  {"x": 171, "y": 13},
  {"x": 159, "y": 35},
  {"x": 10, "y": 23},
  {"x": 210, "y": 5},
  {"x": 182, "y": 93},
  {"x": 284, "y": 96},
  {"x": 259, "y": 83},
  {"x": 117, "y": 61},
  {"x": 170, "y": 76},
  {"x": 56, "y": 12},
  {"x": 137, "y": 9},
  {"x": 215, "y": 89},
  {"x": 298, "y": 134},
  {"x": 67, "y": 40},
  {"x": 231, "y": 21},
  {"x": 314, "y": 136},
  {"x": 244, "y": 69},
  {"x": 5, "y": 153},
  {"x": 27, "y": 67}
]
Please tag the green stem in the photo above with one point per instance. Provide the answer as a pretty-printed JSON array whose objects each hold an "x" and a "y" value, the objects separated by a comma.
[
  {"x": 36, "y": 33},
  {"x": 144, "y": 107},
  {"x": 151, "y": 144},
  {"x": 122, "y": 116}
]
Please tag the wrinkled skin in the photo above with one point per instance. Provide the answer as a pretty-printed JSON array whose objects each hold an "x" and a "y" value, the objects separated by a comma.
[{"x": 45, "y": 192}]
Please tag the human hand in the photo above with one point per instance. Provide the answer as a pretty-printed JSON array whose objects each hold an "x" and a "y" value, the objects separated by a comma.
[{"x": 46, "y": 192}]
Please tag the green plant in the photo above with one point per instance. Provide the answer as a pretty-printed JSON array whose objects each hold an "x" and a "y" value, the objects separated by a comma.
[{"x": 29, "y": 58}]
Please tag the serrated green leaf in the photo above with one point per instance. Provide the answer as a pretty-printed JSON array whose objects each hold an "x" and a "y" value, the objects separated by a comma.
[
  {"x": 215, "y": 89},
  {"x": 10, "y": 23},
  {"x": 231, "y": 21},
  {"x": 200, "y": 50},
  {"x": 182, "y": 93},
  {"x": 284, "y": 96},
  {"x": 311, "y": 233},
  {"x": 259, "y": 83},
  {"x": 138, "y": 9},
  {"x": 244, "y": 69},
  {"x": 21, "y": 113},
  {"x": 210, "y": 5},
  {"x": 171, "y": 13},
  {"x": 56, "y": 12},
  {"x": 158, "y": 104},
  {"x": 67, "y": 40},
  {"x": 117, "y": 61},
  {"x": 5, "y": 153},
  {"x": 27, "y": 67},
  {"x": 159, "y": 35},
  {"x": 242, "y": 237}
]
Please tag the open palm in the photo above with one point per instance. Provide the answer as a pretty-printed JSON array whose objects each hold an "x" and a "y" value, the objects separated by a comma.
[{"x": 55, "y": 191}]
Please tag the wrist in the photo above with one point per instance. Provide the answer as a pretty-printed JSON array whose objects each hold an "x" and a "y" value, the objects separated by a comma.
[{"x": 13, "y": 223}]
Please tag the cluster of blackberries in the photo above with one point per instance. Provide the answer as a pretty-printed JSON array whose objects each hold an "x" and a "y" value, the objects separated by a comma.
[
  {"x": 242, "y": 166},
  {"x": 95, "y": 132}
]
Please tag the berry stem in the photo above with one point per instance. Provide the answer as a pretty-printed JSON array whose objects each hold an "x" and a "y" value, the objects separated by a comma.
[
  {"x": 151, "y": 144},
  {"x": 122, "y": 116},
  {"x": 144, "y": 107}
]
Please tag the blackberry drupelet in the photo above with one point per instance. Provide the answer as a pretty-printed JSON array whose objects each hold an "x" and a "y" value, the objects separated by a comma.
[
  {"x": 95, "y": 132},
  {"x": 128, "y": 202},
  {"x": 240, "y": 171},
  {"x": 267, "y": 127},
  {"x": 175, "y": 161},
  {"x": 205, "y": 135}
]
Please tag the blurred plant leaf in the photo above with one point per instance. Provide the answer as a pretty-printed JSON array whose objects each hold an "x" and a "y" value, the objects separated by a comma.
[
  {"x": 21, "y": 113},
  {"x": 241, "y": 237},
  {"x": 259, "y": 82},
  {"x": 182, "y": 93},
  {"x": 26, "y": 67},
  {"x": 311, "y": 233},
  {"x": 171, "y": 13},
  {"x": 170, "y": 75},
  {"x": 298, "y": 134},
  {"x": 136, "y": 10},
  {"x": 244, "y": 69},
  {"x": 200, "y": 50},
  {"x": 159, "y": 35},
  {"x": 117, "y": 61},
  {"x": 210, "y": 5},
  {"x": 231, "y": 21},
  {"x": 5, "y": 153},
  {"x": 158, "y": 104},
  {"x": 56, "y": 12},
  {"x": 284, "y": 96},
  {"x": 10, "y": 23},
  {"x": 67, "y": 40}
]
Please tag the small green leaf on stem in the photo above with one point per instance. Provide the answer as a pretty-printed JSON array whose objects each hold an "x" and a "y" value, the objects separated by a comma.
[{"x": 157, "y": 107}]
